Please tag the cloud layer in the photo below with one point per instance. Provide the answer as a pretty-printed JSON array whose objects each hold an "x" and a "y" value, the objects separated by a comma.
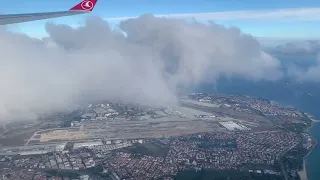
[
  {"x": 298, "y": 48},
  {"x": 147, "y": 65},
  {"x": 310, "y": 74},
  {"x": 304, "y": 56},
  {"x": 288, "y": 14}
]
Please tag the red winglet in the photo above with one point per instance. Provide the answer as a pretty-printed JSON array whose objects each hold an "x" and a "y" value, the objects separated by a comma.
[{"x": 85, "y": 5}]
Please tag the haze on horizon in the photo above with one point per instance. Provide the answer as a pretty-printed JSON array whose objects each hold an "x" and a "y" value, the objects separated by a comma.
[{"x": 146, "y": 65}]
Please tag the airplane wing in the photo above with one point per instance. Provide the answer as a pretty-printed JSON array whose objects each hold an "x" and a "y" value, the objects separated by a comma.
[{"x": 85, "y": 6}]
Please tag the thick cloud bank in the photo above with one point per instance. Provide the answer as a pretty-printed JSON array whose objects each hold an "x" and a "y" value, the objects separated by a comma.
[{"x": 145, "y": 63}]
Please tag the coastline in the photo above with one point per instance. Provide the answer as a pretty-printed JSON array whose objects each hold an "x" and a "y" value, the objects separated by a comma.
[
  {"x": 303, "y": 173},
  {"x": 312, "y": 119}
]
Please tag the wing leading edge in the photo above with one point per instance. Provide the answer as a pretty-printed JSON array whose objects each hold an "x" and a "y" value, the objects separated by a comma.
[{"x": 85, "y": 6}]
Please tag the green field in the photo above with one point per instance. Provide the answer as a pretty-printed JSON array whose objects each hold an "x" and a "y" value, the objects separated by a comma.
[
  {"x": 16, "y": 139},
  {"x": 149, "y": 149}
]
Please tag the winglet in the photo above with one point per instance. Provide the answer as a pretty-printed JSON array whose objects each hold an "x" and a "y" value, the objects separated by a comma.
[{"x": 85, "y": 5}]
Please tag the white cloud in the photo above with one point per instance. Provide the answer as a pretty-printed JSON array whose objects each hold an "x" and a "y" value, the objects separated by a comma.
[
  {"x": 310, "y": 74},
  {"x": 95, "y": 62},
  {"x": 293, "y": 14}
]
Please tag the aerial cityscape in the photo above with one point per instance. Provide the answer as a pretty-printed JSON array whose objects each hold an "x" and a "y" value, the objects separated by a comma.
[
  {"x": 230, "y": 136},
  {"x": 172, "y": 90}
]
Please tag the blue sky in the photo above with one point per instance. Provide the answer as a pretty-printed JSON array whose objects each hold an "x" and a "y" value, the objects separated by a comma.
[{"x": 277, "y": 27}]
